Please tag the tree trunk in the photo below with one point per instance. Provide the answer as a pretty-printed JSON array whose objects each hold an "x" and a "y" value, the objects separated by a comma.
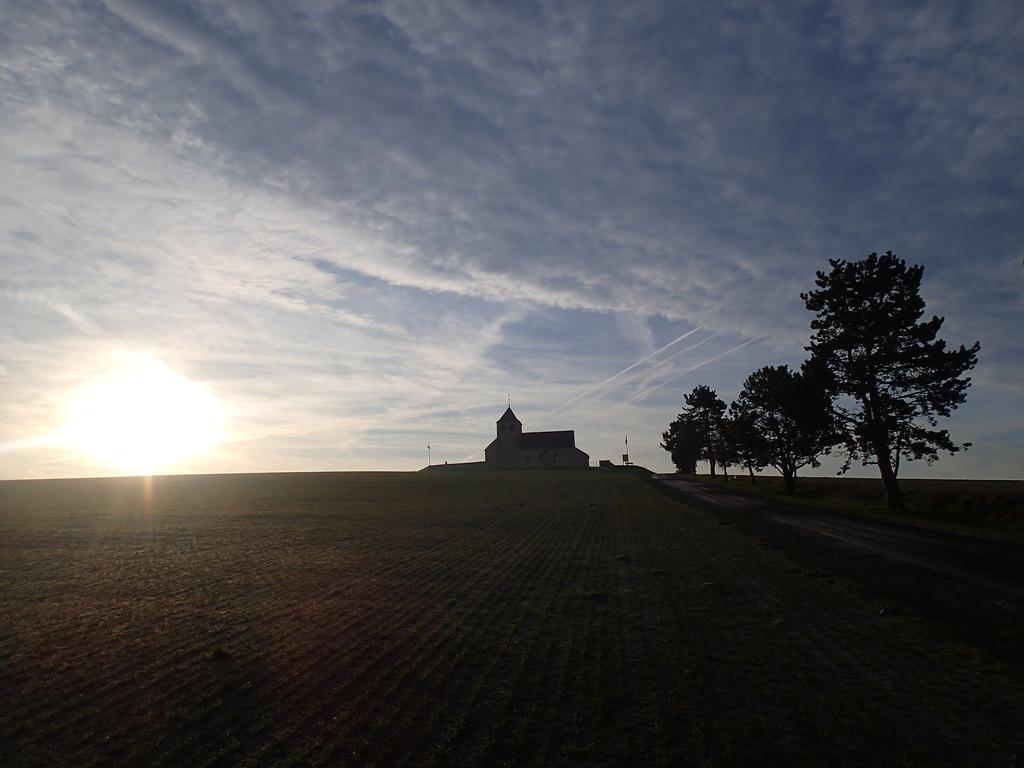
[
  {"x": 789, "y": 478},
  {"x": 893, "y": 494},
  {"x": 711, "y": 463},
  {"x": 750, "y": 469},
  {"x": 725, "y": 470},
  {"x": 880, "y": 441}
]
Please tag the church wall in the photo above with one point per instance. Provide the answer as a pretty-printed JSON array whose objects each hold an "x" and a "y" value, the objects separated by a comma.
[{"x": 551, "y": 458}]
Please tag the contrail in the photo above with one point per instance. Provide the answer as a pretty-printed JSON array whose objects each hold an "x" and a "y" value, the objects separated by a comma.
[
  {"x": 647, "y": 375},
  {"x": 701, "y": 364},
  {"x": 624, "y": 370}
]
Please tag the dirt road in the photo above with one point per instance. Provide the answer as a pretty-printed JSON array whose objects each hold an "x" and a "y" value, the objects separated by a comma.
[{"x": 971, "y": 586}]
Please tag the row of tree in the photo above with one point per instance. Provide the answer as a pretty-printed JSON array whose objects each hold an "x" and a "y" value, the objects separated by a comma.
[{"x": 875, "y": 383}]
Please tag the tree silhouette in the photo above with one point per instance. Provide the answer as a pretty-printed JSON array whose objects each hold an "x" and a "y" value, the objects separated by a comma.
[
  {"x": 683, "y": 444},
  {"x": 742, "y": 441},
  {"x": 703, "y": 412},
  {"x": 890, "y": 367},
  {"x": 788, "y": 419}
]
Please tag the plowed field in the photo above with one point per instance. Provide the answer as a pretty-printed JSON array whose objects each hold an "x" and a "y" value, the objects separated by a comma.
[{"x": 571, "y": 618}]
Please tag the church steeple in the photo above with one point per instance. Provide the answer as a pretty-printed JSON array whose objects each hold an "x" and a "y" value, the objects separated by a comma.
[
  {"x": 509, "y": 416},
  {"x": 509, "y": 427}
]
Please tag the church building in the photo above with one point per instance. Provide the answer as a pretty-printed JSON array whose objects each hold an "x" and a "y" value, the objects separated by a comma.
[{"x": 515, "y": 449}]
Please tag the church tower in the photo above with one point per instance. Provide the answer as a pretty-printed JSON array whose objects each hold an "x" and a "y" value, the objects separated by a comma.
[{"x": 510, "y": 434}]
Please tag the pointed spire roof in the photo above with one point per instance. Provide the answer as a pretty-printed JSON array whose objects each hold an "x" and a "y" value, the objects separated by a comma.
[{"x": 508, "y": 415}]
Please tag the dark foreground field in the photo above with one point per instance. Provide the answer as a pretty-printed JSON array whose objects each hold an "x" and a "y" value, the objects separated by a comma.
[{"x": 526, "y": 619}]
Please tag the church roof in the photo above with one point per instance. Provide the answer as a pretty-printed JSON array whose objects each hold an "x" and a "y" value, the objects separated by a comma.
[
  {"x": 560, "y": 439},
  {"x": 508, "y": 416}
]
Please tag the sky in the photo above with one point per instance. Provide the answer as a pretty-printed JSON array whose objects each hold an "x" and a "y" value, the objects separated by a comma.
[{"x": 357, "y": 228}]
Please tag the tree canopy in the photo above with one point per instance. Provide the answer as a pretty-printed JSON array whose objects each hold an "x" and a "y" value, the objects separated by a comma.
[
  {"x": 783, "y": 419},
  {"x": 683, "y": 444},
  {"x": 695, "y": 432},
  {"x": 705, "y": 410},
  {"x": 742, "y": 441},
  {"x": 892, "y": 374}
]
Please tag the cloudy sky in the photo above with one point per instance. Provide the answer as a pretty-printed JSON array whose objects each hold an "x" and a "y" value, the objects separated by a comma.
[{"x": 357, "y": 226}]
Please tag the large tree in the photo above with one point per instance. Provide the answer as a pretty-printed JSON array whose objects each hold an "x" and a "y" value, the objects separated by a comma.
[
  {"x": 896, "y": 377},
  {"x": 742, "y": 441},
  {"x": 704, "y": 411},
  {"x": 683, "y": 444},
  {"x": 788, "y": 417}
]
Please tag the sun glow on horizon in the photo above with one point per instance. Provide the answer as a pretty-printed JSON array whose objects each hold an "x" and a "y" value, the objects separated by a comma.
[{"x": 142, "y": 419}]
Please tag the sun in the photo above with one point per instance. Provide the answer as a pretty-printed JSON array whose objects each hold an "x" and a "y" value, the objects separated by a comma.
[{"x": 142, "y": 419}]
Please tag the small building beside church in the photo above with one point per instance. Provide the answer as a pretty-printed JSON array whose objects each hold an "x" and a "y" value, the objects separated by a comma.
[{"x": 515, "y": 449}]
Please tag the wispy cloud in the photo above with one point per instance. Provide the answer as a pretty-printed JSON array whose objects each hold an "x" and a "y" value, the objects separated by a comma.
[
  {"x": 645, "y": 392},
  {"x": 625, "y": 370}
]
